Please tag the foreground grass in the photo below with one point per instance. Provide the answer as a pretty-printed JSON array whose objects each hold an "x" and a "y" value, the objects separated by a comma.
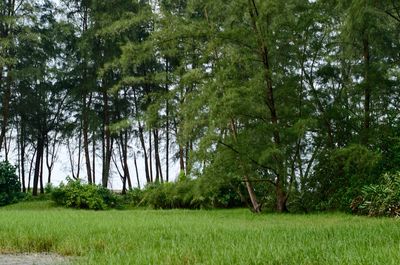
[{"x": 198, "y": 237}]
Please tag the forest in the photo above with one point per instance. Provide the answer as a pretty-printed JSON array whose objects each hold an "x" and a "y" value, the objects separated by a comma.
[{"x": 274, "y": 105}]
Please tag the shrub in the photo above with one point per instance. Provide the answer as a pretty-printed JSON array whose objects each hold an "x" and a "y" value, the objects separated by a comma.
[
  {"x": 133, "y": 197},
  {"x": 190, "y": 194},
  {"x": 75, "y": 194},
  {"x": 10, "y": 187},
  {"x": 380, "y": 200},
  {"x": 339, "y": 176}
]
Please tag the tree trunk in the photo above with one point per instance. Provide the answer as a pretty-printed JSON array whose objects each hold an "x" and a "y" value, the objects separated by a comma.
[
  {"x": 145, "y": 157},
  {"x": 159, "y": 176},
  {"x": 142, "y": 142},
  {"x": 39, "y": 155},
  {"x": 41, "y": 174},
  {"x": 181, "y": 159},
  {"x": 94, "y": 158},
  {"x": 124, "y": 152},
  {"x": 249, "y": 186},
  {"x": 136, "y": 169},
  {"x": 167, "y": 121},
  {"x": 367, "y": 92},
  {"x": 270, "y": 103},
  {"x": 85, "y": 125},
  {"x": 151, "y": 157},
  {"x": 107, "y": 142},
  {"x": 5, "y": 109},
  {"x": 30, "y": 169},
  {"x": 22, "y": 156}
]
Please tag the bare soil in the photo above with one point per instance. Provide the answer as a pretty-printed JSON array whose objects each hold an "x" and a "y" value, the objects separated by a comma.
[{"x": 32, "y": 259}]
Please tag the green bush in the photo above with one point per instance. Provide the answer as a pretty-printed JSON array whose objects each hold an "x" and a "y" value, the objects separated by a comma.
[
  {"x": 338, "y": 178},
  {"x": 75, "y": 194},
  {"x": 10, "y": 187},
  {"x": 133, "y": 197},
  {"x": 190, "y": 194},
  {"x": 168, "y": 195},
  {"x": 380, "y": 200}
]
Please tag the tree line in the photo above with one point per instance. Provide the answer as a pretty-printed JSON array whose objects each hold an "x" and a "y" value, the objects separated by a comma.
[{"x": 292, "y": 102}]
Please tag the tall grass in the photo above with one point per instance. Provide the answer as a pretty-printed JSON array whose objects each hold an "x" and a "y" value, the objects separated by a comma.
[{"x": 198, "y": 237}]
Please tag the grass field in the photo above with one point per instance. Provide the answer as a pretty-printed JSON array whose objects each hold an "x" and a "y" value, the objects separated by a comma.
[{"x": 198, "y": 237}]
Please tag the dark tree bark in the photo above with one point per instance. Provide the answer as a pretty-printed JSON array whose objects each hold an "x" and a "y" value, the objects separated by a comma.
[
  {"x": 142, "y": 141},
  {"x": 136, "y": 169},
  {"x": 151, "y": 157},
  {"x": 167, "y": 121},
  {"x": 107, "y": 151},
  {"x": 94, "y": 159},
  {"x": 367, "y": 91},
  {"x": 159, "y": 176},
  {"x": 39, "y": 156}
]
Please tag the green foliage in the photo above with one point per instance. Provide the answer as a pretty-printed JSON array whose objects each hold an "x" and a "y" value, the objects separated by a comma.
[
  {"x": 133, "y": 197},
  {"x": 339, "y": 177},
  {"x": 380, "y": 200},
  {"x": 75, "y": 194},
  {"x": 10, "y": 187},
  {"x": 190, "y": 194}
]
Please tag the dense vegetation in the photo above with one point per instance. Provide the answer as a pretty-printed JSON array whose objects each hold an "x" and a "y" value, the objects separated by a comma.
[
  {"x": 10, "y": 187},
  {"x": 287, "y": 105},
  {"x": 198, "y": 237}
]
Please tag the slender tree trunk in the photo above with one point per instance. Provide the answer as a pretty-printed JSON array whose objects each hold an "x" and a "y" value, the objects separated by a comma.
[
  {"x": 39, "y": 155},
  {"x": 136, "y": 169},
  {"x": 78, "y": 170},
  {"x": 167, "y": 121},
  {"x": 127, "y": 173},
  {"x": 187, "y": 159},
  {"x": 22, "y": 156},
  {"x": 151, "y": 157},
  {"x": 155, "y": 156},
  {"x": 181, "y": 159},
  {"x": 142, "y": 142},
  {"x": 5, "y": 109},
  {"x": 94, "y": 158},
  {"x": 41, "y": 173},
  {"x": 71, "y": 159},
  {"x": 145, "y": 157},
  {"x": 107, "y": 142},
  {"x": 124, "y": 161},
  {"x": 270, "y": 103},
  {"x": 85, "y": 125},
  {"x": 159, "y": 176},
  {"x": 50, "y": 157},
  {"x": 49, "y": 165},
  {"x": 367, "y": 92},
  {"x": 30, "y": 169}
]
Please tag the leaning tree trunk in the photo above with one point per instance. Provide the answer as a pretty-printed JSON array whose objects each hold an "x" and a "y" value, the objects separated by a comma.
[{"x": 249, "y": 185}]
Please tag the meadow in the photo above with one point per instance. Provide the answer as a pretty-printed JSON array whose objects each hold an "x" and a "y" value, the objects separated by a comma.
[{"x": 197, "y": 237}]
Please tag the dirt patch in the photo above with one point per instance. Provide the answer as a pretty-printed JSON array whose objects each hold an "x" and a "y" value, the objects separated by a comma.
[{"x": 32, "y": 259}]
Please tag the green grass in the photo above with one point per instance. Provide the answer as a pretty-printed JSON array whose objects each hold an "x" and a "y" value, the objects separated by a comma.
[{"x": 198, "y": 237}]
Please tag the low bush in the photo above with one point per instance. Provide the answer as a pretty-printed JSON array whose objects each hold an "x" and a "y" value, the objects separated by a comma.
[
  {"x": 189, "y": 194},
  {"x": 380, "y": 200},
  {"x": 10, "y": 187},
  {"x": 76, "y": 194}
]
